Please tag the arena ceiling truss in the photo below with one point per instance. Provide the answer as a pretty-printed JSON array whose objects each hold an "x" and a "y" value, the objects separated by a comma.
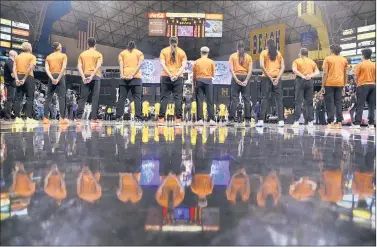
[{"x": 121, "y": 21}]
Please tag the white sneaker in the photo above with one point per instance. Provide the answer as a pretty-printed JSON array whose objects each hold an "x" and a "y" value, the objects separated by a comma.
[
  {"x": 371, "y": 127},
  {"x": 310, "y": 124},
  {"x": 281, "y": 123},
  {"x": 200, "y": 122},
  {"x": 294, "y": 125},
  {"x": 212, "y": 123},
  {"x": 357, "y": 126},
  {"x": 259, "y": 124}
]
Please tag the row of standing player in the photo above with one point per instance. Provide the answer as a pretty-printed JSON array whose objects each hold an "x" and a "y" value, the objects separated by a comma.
[{"x": 173, "y": 61}]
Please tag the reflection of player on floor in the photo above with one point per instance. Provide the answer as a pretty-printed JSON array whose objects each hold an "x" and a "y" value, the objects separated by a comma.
[
  {"x": 88, "y": 187},
  {"x": 145, "y": 110},
  {"x": 193, "y": 111},
  {"x": 171, "y": 192},
  {"x": 129, "y": 188}
]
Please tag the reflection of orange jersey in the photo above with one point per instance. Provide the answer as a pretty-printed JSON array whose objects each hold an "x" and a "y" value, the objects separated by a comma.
[
  {"x": 89, "y": 190},
  {"x": 23, "y": 185},
  {"x": 302, "y": 189},
  {"x": 170, "y": 185},
  {"x": 202, "y": 184},
  {"x": 54, "y": 187},
  {"x": 362, "y": 184},
  {"x": 331, "y": 187},
  {"x": 130, "y": 189},
  {"x": 238, "y": 185},
  {"x": 270, "y": 186}
]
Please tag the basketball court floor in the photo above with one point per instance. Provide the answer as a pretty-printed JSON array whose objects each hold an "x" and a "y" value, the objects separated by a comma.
[{"x": 335, "y": 205}]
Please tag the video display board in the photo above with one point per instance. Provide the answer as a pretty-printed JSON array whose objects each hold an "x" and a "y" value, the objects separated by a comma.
[
  {"x": 354, "y": 40},
  {"x": 197, "y": 25},
  {"x": 13, "y": 33}
]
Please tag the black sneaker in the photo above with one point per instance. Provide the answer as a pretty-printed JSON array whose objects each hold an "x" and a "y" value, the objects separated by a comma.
[
  {"x": 247, "y": 123},
  {"x": 138, "y": 122},
  {"x": 230, "y": 123}
]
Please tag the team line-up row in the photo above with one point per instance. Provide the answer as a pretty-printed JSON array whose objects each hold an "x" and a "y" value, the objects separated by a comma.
[
  {"x": 171, "y": 189},
  {"x": 173, "y": 61}
]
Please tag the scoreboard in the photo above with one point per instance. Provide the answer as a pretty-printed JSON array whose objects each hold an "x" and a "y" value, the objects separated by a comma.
[
  {"x": 197, "y": 25},
  {"x": 13, "y": 33},
  {"x": 354, "y": 40}
]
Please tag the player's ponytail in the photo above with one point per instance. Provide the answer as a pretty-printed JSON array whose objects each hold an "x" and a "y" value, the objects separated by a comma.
[
  {"x": 241, "y": 51},
  {"x": 131, "y": 46},
  {"x": 272, "y": 51},
  {"x": 173, "y": 41}
]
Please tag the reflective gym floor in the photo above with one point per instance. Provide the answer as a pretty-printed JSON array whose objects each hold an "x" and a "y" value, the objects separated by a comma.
[{"x": 334, "y": 204}]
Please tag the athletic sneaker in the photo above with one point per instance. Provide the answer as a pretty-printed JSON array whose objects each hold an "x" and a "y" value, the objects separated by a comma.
[
  {"x": 296, "y": 124},
  {"x": 45, "y": 121},
  {"x": 138, "y": 122},
  {"x": 161, "y": 122},
  {"x": 31, "y": 121},
  {"x": 331, "y": 126},
  {"x": 78, "y": 121},
  {"x": 64, "y": 121},
  {"x": 338, "y": 125},
  {"x": 212, "y": 123},
  {"x": 178, "y": 122},
  {"x": 19, "y": 120},
  {"x": 311, "y": 124},
  {"x": 260, "y": 124},
  {"x": 281, "y": 123},
  {"x": 230, "y": 123},
  {"x": 356, "y": 126},
  {"x": 200, "y": 123},
  {"x": 97, "y": 121}
]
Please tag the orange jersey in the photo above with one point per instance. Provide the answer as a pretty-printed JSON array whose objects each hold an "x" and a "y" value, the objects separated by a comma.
[
  {"x": 237, "y": 185},
  {"x": 365, "y": 73},
  {"x": 170, "y": 185},
  {"x": 89, "y": 191},
  {"x": 304, "y": 65},
  {"x": 240, "y": 69},
  {"x": 272, "y": 67},
  {"x": 130, "y": 188},
  {"x": 204, "y": 68},
  {"x": 89, "y": 60},
  {"x": 331, "y": 187},
  {"x": 335, "y": 66},
  {"x": 55, "y": 188},
  {"x": 202, "y": 184},
  {"x": 302, "y": 190},
  {"x": 173, "y": 68},
  {"x": 270, "y": 186},
  {"x": 23, "y": 61},
  {"x": 130, "y": 61},
  {"x": 23, "y": 184},
  {"x": 55, "y": 62}
]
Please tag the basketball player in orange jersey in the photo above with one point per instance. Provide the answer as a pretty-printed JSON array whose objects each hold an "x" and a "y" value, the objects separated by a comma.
[
  {"x": 241, "y": 66},
  {"x": 333, "y": 81},
  {"x": 203, "y": 72},
  {"x": 173, "y": 61},
  {"x": 272, "y": 65},
  {"x": 130, "y": 61},
  {"x": 89, "y": 64},
  {"x": 365, "y": 74},
  {"x": 55, "y": 66},
  {"x": 304, "y": 68}
]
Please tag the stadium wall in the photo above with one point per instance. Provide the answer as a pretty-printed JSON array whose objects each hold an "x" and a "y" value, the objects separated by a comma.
[
  {"x": 110, "y": 54},
  {"x": 291, "y": 53}
]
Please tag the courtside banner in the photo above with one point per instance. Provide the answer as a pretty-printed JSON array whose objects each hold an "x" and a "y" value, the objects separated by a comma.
[{"x": 259, "y": 37}]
